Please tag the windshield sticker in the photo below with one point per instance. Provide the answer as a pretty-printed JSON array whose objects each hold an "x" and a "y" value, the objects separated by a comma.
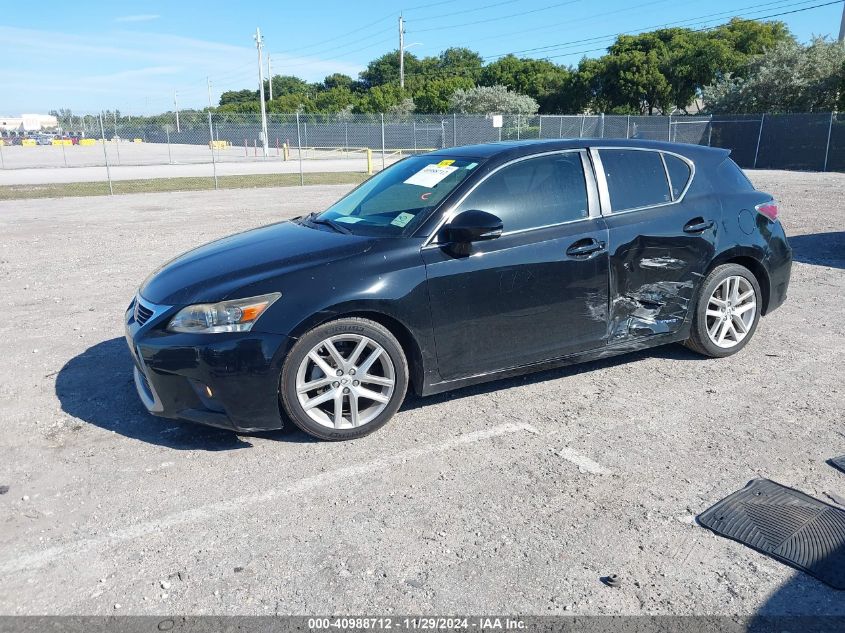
[
  {"x": 445, "y": 163},
  {"x": 402, "y": 219},
  {"x": 470, "y": 166},
  {"x": 430, "y": 175}
]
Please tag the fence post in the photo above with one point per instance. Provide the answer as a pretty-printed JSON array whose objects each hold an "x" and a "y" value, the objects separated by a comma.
[
  {"x": 414, "y": 121},
  {"x": 64, "y": 155},
  {"x": 670, "y": 129},
  {"x": 299, "y": 147},
  {"x": 827, "y": 149},
  {"x": 116, "y": 137},
  {"x": 106, "y": 155},
  {"x": 540, "y": 130},
  {"x": 382, "y": 141},
  {"x": 518, "y": 120},
  {"x": 710, "y": 131},
  {"x": 560, "y": 131},
  {"x": 211, "y": 147},
  {"x": 628, "y": 127},
  {"x": 602, "y": 124},
  {"x": 454, "y": 129},
  {"x": 2, "y": 161},
  {"x": 759, "y": 136},
  {"x": 167, "y": 133},
  {"x": 581, "y": 133}
]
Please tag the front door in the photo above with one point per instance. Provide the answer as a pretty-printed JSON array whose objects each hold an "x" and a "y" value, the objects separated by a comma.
[{"x": 538, "y": 292}]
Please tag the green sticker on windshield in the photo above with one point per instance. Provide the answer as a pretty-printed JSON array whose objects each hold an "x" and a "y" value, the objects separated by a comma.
[{"x": 402, "y": 219}]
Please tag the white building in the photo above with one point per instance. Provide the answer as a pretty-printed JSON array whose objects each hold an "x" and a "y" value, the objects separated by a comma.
[{"x": 27, "y": 122}]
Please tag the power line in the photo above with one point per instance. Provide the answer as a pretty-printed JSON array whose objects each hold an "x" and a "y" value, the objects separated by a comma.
[
  {"x": 442, "y": 75},
  {"x": 473, "y": 10},
  {"x": 703, "y": 18},
  {"x": 496, "y": 19}
]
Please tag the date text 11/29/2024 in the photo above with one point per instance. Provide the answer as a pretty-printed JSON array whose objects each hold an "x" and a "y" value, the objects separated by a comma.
[{"x": 481, "y": 623}]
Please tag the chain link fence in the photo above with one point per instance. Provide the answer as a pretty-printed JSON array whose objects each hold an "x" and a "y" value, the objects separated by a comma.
[{"x": 194, "y": 150}]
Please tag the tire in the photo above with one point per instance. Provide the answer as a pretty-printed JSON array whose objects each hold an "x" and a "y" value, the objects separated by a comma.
[
  {"x": 336, "y": 379},
  {"x": 708, "y": 328}
]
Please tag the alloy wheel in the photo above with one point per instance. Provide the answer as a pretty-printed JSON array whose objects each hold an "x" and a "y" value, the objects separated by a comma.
[
  {"x": 731, "y": 310},
  {"x": 345, "y": 381}
]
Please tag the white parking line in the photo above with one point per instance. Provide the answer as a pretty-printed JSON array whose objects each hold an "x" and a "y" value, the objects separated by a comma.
[
  {"x": 203, "y": 513},
  {"x": 585, "y": 464}
]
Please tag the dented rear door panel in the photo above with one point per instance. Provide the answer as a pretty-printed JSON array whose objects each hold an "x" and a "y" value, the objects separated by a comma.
[{"x": 656, "y": 267}]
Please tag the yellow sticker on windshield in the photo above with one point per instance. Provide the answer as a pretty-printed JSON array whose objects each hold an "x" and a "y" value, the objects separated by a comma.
[{"x": 445, "y": 163}]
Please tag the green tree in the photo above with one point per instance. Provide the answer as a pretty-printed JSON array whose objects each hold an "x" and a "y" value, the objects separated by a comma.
[
  {"x": 335, "y": 99},
  {"x": 338, "y": 80},
  {"x": 537, "y": 78},
  {"x": 385, "y": 69},
  {"x": 381, "y": 98},
  {"x": 432, "y": 95},
  {"x": 287, "y": 85},
  {"x": 491, "y": 100},
  {"x": 788, "y": 78},
  {"x": 235, "y": 97}
]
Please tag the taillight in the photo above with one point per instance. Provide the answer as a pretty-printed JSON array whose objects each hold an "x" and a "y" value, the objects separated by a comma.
[{"x": 769, "y": 209}]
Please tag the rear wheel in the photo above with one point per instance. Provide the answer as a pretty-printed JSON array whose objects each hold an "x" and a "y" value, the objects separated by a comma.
[
  {"x": 727, "y": 313},
  {"x": 344, "y": 379}
]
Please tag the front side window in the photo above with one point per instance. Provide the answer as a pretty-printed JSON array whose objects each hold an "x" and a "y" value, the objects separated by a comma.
[
  {"x": 534, "y": 192},
  {"x": 396, "y": 200},
  {"x": 635, "y": 178}
]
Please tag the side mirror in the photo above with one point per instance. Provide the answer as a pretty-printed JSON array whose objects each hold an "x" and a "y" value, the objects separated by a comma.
[{"x": 471, "y": 226}]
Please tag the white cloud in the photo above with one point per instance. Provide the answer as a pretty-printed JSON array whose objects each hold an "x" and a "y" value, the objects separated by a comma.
[
  {"x": 132, "y": 70},
  {"x": 145, "y": 17}
]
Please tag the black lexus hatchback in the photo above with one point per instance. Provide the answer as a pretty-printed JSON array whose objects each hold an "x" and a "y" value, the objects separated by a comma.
[{"x": 464, "y": 265}]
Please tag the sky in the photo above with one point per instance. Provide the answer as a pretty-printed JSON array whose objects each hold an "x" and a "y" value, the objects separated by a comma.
[{"x": 133, "y": 56}]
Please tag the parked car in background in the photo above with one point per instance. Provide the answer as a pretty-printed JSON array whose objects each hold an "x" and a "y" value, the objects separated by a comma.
[{"x": 456, "y": 267}]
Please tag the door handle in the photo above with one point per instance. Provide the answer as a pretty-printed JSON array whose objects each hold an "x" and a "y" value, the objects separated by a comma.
[
  {"x": 697, "y": 225},
  {"x": 585, "y": 248}
]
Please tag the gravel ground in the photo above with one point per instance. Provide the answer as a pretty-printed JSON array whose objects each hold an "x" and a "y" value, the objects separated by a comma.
[{"x": 512, "y": 497}]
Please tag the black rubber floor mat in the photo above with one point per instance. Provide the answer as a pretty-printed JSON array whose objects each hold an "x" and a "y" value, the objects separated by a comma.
[
  {"x": 838, "y": 462},
  {"x": 785, "y": 524}
]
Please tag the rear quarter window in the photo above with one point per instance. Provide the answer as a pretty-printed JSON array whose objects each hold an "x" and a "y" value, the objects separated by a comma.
[
  {"x": 679, "y": 174},
  {"x": 732, "y": 177},
  {"x": 635, "y": 178}
]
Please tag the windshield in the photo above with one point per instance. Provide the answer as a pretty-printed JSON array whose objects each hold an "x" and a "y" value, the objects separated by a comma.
[{"x": 396, "y": 199}]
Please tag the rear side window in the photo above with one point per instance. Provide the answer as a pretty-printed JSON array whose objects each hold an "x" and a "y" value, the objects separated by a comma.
[
  {"x": 635, "y": 178},
  {"x": 733, "y": 177},
  {"x": 679, "y": 174},
  {"x": 534, "y": 192}
]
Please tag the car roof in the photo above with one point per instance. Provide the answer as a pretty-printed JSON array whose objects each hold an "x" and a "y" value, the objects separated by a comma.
[{"x": 507, "y": 150}]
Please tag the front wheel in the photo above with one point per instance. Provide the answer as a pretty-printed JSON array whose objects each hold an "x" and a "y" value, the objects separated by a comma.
[
  {"x": 727, "y": 313},
  {"x": 344, "y": 379}
]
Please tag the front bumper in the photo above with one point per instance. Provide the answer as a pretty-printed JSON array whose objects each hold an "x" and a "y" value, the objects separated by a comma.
[{"x": 227, "y": 380}]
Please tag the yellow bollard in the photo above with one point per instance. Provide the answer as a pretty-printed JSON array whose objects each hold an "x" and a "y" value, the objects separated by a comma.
[
  {"x": 369, "y": 162},
  {"x": 285, "y": 151}
]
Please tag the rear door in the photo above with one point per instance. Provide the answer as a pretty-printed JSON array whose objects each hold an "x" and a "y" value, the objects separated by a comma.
[
  {"x": 537, "y": 292},
  {"x": 662, "y": 224}
]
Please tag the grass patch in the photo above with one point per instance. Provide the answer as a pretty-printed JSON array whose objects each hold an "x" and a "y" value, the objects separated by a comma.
[{"x": 150, "y": 185}]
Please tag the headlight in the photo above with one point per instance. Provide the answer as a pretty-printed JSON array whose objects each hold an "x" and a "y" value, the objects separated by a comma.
[{"x": 237, "y": 315}]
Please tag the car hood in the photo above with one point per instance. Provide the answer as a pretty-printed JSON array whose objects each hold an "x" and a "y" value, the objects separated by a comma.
[{"x": 216, "y": 271}]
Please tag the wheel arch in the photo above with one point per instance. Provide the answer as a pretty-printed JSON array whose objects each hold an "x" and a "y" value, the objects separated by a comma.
[
  {"x": 749, "y": 260},
  {"x": 408, "y": 342}
]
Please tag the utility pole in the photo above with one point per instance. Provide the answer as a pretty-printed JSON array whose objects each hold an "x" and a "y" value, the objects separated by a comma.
[
  {"x": 401, "y": 52},
  {"x": 259, "y": 44},
  {"x": 270, "y": 77},
  {"x": 842, "y": 26},
  {"x": 176, "y": 103}
]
